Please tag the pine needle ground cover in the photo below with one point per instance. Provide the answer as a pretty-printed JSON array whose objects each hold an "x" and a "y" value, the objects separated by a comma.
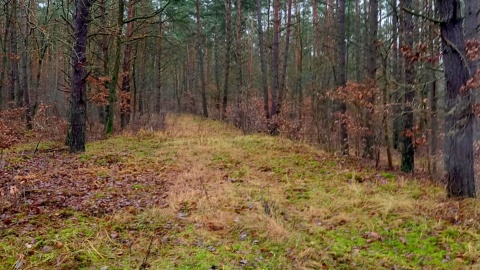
[{"x": 201, "y": 195}]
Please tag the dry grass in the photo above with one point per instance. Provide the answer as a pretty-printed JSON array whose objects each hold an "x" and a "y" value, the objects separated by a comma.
[{"x": 253, "y": 202}]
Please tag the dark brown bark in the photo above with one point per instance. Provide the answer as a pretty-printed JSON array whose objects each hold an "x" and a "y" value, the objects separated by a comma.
[
  {"x": 458, "y": 117},
  {"x": 342, "y": 75},
  {"x": 4, "y": 51},
  {"x": 408, "y": 149},
  {"x": 78, "y": 101},
  {"x": 371, "y": 69},
  {"x": 14, "y": 87}
]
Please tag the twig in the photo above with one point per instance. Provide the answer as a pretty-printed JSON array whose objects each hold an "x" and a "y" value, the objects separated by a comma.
[
  {"x": 36, "y": 147},
  {"x": 144, "y": 264}
]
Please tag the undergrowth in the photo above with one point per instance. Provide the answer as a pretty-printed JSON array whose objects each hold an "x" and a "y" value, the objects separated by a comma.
[{"x": 224, "y": 200}]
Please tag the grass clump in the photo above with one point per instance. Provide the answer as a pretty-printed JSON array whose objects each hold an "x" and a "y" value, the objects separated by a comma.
[{"x": 200, "y": 195}]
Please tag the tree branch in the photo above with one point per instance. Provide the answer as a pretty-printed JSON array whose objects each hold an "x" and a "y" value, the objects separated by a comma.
[{"x": 422, "y": 16}]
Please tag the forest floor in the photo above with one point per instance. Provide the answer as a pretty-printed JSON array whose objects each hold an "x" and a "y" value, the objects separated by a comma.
[{"x": 201, "y": 195}]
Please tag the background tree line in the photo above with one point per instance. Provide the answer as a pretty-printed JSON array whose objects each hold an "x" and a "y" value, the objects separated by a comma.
[{"x": 387, "y": 80}]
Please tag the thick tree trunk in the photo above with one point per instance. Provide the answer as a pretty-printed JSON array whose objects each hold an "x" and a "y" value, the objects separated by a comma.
[
  {"x": 201, "y": 61},
  {"x": 342, "y": 75},
  {"x": 408, "y": 149},
  {"x": 263, "y": 64},
  {"x": 78, "y": 101},
  {"x": 459, "y": 116}
]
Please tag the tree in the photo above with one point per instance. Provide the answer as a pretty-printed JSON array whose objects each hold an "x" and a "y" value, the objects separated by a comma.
[
  {"x": 342, "y": 75},
  {"x": 408, "y": 149},
  {"x": 78, "y": 101},
  {"x": 228, "y": 45},
  {"x": 201, "y": 61},
  {"x": 459, "y": 101},
  {"x": 371, "y": 69},
  {"x": 263, "y": 64}
]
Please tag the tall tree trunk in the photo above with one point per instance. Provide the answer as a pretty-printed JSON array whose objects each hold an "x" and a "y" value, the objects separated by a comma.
[
  {"x": 238, "y": 51},
  {"x": 372, "y": 69},
  {"x": 228, "y": 44},
  {"x": 408, "y": 149},
  {"x": 396, "y": 98},
  {"x": 24, "y": 58},
  {"x": 78, "y": 110},
  {"x": 263, "y": 64},
  {"x": 116, "y": 68},
  {"x": 358, "y": 38},
  {"x": 103, "y": 110},
  {"x": 14, "y": 73},
  {"x": 4, "y": 51},
  {"x": 299, "y": 58},
  {"x": 459, "y": 116},
  {"x": 201, "y": 62},
  {"x": 275, "y": 65},
  {"x": 126, "y": 67},
  {"x": 342, "y": 75},
  {"x": 282, "y": 84}
]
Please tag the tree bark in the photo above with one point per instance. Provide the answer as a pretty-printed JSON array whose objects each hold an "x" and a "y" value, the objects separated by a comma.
[
  {"x": 408, "y": 149},
  {"x": 126, "y": 67},
  {"x": 342, "y": 75},
  {"x": 283, "y": 77},
  {"x": 275, "y": 66},
  {"x": 459, "y": 116},
  {"x": 372, "y": 69},
  {"x": 76, "y": 138},
  {"x": 116, "y": 68},
  {"x": 201, "y": 61},
  {"x": 263, "y": 65},
  {"x": 228, "y": 45}
]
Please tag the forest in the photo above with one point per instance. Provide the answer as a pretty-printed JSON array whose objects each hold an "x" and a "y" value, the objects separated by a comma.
[{"x": 239, "y": 134}]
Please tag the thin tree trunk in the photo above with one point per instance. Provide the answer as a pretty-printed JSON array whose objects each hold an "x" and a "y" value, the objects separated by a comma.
[
  {"x": 116, "y": 68},
  {"x": 228, "y": 43},
  {"x": 342, "y": 75},
  {"x": 299, "y": 58},
  {"x": 24, "y": 59},
  {"x": 275, "y": 65},
  {"x": 14, "y": 74},
  {"x": 263, "y": 65},
  {"x": 126, "y": 67},
  {"x": 282, "y": 85},
  {"x": 201, "y": 62},
  {"x": 4, "y": 51}
]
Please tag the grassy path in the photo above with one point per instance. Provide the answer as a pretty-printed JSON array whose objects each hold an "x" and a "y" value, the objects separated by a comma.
[{"x": 200, "y": 195}]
